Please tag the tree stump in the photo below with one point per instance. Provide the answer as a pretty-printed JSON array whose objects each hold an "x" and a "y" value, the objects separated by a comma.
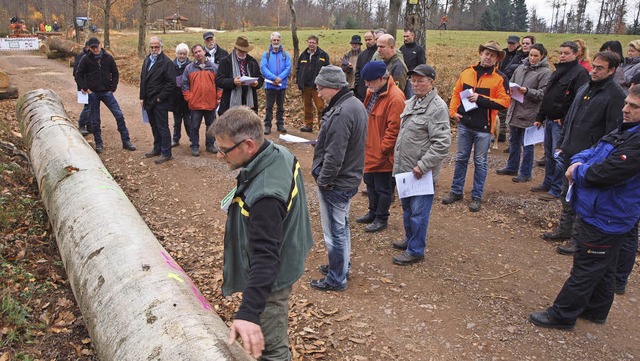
[{"x": 4, "y": 79}]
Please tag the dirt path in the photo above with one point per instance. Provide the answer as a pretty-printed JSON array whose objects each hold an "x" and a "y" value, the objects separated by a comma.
[{"x": 483, "y": 273}]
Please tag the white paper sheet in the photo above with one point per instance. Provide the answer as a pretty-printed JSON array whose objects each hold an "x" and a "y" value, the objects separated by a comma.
[
  {"x": 247, "y": 80},
  {"x": 83, "y": 98},
  {"x": 271, "y": 82},
  {"x": 533, "y": 135},
  {"x": 293, "y": 139},
  {"x": 408, "y": 185},
  {"x": 569, "y": 193},
  {"x": 465, "y": 102},
  {"x": 145, "y": 116},
  {"x": 515, "y": 93}
]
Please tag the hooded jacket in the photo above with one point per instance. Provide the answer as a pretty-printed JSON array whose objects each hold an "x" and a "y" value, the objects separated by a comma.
[
  {"x": 535, "y": 78},
  {"x": 561, "y": 90}
]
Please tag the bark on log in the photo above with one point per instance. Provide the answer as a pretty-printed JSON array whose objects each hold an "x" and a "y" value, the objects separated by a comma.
[
  {"x": 9, "y": 93},
  {"x": 53, "y": 54},
  {"x": 64, "y": 46},
  {"x": 137, "y": 302},
  {"x": 44, "y": 48},
  {"x": 4, "y": 79}
]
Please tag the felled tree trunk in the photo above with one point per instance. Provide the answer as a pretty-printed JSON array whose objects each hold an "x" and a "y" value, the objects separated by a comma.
[
  {"x": 64, "y": 46},
  {"x": 137, "y": 302},
  {"x": 9, "y": 93},
  {"x": 56, "y": 55},
  {"x": 4, "y": 79}
]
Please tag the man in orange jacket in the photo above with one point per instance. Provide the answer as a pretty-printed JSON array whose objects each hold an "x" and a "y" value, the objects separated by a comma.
[{"x": 384, "y": 103}]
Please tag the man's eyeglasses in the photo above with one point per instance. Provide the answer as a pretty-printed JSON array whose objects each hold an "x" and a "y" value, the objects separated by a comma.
[
  {"x": 154, "y": 47},
  {"x": 225, "y": 152}
]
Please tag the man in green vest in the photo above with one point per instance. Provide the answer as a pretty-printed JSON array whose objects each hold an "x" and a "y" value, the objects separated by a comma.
[{"x": 267, "y": 235}]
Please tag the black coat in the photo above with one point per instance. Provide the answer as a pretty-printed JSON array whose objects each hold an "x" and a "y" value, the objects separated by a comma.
[
  {"x": 561, "y": 90},
  {"x": 308, "y": 67},
  {"x": 158, "y": 83},
  {"x": 224, "y": 81},
  {"x": 76, "y": 62},
  {"x": 413, "y": 55},
  {"x": 596, "y": 111},
  {"x": 364, "y": 57},
  {"x": 98, "y": 73},
  {"x": 512, "y": 60},
  {"x": 220, "y": 54}
]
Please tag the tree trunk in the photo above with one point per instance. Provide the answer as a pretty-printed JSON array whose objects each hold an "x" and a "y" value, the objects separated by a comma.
[
  {"x": 74, "y": 6},
  {"x": 394, "y": 13},
  {"x": 9, "y": 93},
  {"x": 142, "y": 28},
  {"x": 294, "y": 34},
  {"x": 137, "y": 302},
  {"x": 107, "y": 16},
  {"x": 67, "y": 47},
  {"x": 53, "y": 54},
  {"x": 600, "y": 17}
]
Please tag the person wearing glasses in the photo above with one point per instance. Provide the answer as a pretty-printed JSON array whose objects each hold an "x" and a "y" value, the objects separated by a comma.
[
  {"x": 157, "y": 82},
  {"x": 267, "y": 234},
  {"x": 98, "y": 75}
]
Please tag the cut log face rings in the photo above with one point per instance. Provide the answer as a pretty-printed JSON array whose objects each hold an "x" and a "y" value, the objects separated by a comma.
[{"x": 4, "y": 80}]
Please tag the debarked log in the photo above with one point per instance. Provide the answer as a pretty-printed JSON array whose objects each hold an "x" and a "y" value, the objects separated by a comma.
[{"x": 138, "y": 303}]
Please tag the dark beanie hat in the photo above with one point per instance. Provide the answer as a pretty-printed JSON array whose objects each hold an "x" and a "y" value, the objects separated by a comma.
[{"x": 373, "y": 70}]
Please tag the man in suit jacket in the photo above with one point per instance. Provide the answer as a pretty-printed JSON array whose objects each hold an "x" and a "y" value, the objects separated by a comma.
[{"x": 157, "y": 80}]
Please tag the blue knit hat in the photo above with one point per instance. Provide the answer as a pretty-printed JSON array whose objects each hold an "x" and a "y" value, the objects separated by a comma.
[{"x": 373, "y": 70}]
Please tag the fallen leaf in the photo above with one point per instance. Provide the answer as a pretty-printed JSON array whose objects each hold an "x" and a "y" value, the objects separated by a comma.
[{"x": 357, "y": 340}]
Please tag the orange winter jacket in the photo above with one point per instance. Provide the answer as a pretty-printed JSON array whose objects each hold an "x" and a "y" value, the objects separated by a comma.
[
  {"x": 493, "y": 88},
  {"x": 199, "y": 87},
  {"x": 383, "y": 128}
]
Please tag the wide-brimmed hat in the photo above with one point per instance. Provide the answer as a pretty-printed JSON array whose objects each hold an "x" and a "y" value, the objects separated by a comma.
[
  {"x": 493, "y": 46},
  {"x": 242, "y": 43},
  {"x": 356, "y": 39}
]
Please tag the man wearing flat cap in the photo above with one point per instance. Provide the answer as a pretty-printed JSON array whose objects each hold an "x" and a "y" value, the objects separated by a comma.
[
  {"x": 423, "y": 143},
  {"x": 350, "y": 59},
  {"x": 384, "y": 103},
  {"x": 232, "y": 77},
  {"x": 489, "y": 93},
  {"x": 338, "y": 164},
  {"x": 513, "y": 56},
  {"x": 213, "y": 52}
]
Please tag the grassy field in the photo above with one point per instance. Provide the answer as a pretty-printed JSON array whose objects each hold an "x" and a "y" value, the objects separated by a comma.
[{"x": 449, "y": 52}]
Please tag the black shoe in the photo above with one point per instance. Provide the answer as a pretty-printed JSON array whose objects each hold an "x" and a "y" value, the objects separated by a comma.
[
  {"x": 212, "y": 150},
  {"x": 543, "y": 319},
  {"x": 324, "y": 270},
  {"x": 366, "y": 219},
  {"x": 376, "y": 226},
  {"x": 321, "y": 285},
  {"x": 175, "y": 143},
  {"x": 129, "y": 146},
  {"x": 405, "y": 259},
  {"x": 267, "y": 131},
  {"x": 539, "y": 189},
  {"x": 502, "y": 138},
  {"x": 521, "y": 179},
  {"x": 282, "y": 129},
  {"x": 620, "y": 289},
  {"x": 591, "y": 318},
  {"x": 452, "y": 197},
  {"x": 555, "y": 236},
  {"x": 99, "y": 148},
  {"x": 151, "y": 154},
  {"x": 475, "y": 205},
  {"x": 306, "y": 129},
  {"x": 163, "y": 159},
  {"x": 195, "y": 152},
  {"x": 566, "y": 249},
  {"x": 83, "y": 130},
  {"x": 505, "y": 171},
  {"x": 400, "y": 244}
]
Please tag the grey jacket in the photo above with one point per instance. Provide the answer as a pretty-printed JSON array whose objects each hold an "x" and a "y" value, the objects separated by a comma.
[
  {"x": 338, "y": 158},
  {"x": 630, "y": 68},
  {"x": 535, "y": 78},
  {"x": 424, "y": 137}
]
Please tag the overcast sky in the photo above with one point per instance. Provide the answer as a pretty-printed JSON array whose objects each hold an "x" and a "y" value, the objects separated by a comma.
[{"x": 544, "y": 9}]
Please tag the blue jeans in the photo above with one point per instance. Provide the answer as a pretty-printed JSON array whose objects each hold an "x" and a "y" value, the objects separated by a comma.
[
  {"x": 516, "y": 141},
  {"x": 196, "y": 120},
  {"x": 379, "y": 190},
  {"x": 83, "y": 120},
  {"x": 480, "y": 141},
  {"x": 334, "y": 216},
  {"x": 415, "y": 214},
  {"x": 94, "y": 119},
  {"x": 553, "y": 174}
]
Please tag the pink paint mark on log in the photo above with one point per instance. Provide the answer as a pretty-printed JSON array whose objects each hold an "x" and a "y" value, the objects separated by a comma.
[
  {"x": 200, "y": 297},
  {"x": 171, "y": 263}
]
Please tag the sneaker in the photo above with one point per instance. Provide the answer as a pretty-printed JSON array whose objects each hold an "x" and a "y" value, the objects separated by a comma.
[
  {"x": 539, "y": 189},
  {"x": 282, "y": 129},
  {"x": 548, "y": 197},
  {"x": 521, "y": 179},
  {"x": 505, "y": 171},
  {"x": 566, "y": 249},
  {"x": 129, "y": 146},
  {"x": 366, "y": 219},
  {"x": 406, "y": 259},
  {"x": 475, "y": 205},
  {"x": 376, "y": 226},
  {"x": 195, "y": 152},
  {"x": 306, "y": 129},
  {"x": 163, "y": 158},
  {"x": 322, "y": 285},
  {"x": 451, "y": 198},
  {"x": 400, "y": 244}
]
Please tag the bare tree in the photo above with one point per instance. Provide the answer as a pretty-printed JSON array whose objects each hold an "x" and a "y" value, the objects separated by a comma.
[
  {"x": 142, "y": 26},
  {"x": 580, "y": 15},
  {"x": 416, "y": 16},
  {"x": 294, "y": 32},
  {"x": 394, "y": 13},
  {"x": 106, "y": 9}
]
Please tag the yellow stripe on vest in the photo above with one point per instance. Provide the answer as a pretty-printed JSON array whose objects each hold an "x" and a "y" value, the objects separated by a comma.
[
  {"x": 294, "y": 189},
  {"x": 241, "y": 203}
]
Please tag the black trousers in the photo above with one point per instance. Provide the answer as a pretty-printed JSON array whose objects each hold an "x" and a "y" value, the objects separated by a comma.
[
  {"x": 379, "y": 190},
  {"x": 590, "y": 287}
]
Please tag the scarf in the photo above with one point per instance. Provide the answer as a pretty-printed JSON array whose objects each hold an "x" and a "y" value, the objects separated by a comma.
[{"x": 236, "y": 94}]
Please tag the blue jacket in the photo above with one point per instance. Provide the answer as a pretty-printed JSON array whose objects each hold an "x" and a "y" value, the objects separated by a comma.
[
  {"x": 275, "y": 64},
  {"x": 606, "y": 188}
]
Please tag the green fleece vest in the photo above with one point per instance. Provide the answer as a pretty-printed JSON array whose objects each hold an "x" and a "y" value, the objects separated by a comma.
[{"x": 275, "y": 173}]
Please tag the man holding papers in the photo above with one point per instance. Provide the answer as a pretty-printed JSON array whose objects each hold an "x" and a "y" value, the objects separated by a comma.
[
  {"x": 423, "y": 142},
  {"x": 490, "y": 94},
  {"x": 532, "y": 76},
  {"x": 275, "y": 66},
  {"x": 230, "y": 76}
]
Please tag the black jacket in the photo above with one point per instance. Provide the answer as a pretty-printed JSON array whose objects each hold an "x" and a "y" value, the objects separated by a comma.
[
  {"x": 596, "y": 111},
  {"x": 308, "y": 67},
  {"x": 219, "y": 55},
  {"x": 98, "y": 73},
  {"x": 561, "y": 90},
  {"x": 364, "y": 57},
  {"x": 413, "y": 55},
  {"x": 224, "y": 81},
  {"x": 157, "y": 84},
  {"x": 76, "y": 62},
  {"x": 511, "y": 61}
]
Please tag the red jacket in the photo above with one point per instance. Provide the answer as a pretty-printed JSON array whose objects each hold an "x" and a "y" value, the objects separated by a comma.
[
  {"x": 383, "y": 128},
  {"x": 199, "y": 87}
]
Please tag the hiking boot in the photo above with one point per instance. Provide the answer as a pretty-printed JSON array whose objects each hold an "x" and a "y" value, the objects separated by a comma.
[
  {"x": 322, "y": 285},
  {"x": 592, "y": 318},
  {"x": 451, "y": 198},
  {"x": 539, "y": 189},
  {"x": 548, "y": 197},
  {"x": 400, "y": 244},
  {"x": 212, "y": 150},
  {"x": 324, "y": 270},
  {"x": 99, "y": 148},
  {"x": 544, "y": 319},
  {"x": 555, "y": 236},
  {"x": 267, "y": 131},
  {"x": 475, "y": 205},
  {"x": 366, "y": 219},
  {"x": 83, "y": 130},
  {"x": 151, "y": 154},
  {"x": 129, "y": 146},
  {"x": 566, "y": 249},
  {"x": 376, "y": 226},
  {"x": 521, "y": 179},
  {"x": 163, "y": 158},
  {"x": 620, "y": 289},
  {"x": 306, "y": 129},
  {"x": 405, "y": 259},
  {"x": 282, "y": 129},
  {"x": 505, "y": 171},
  {"x": 195, "y": 152}
]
